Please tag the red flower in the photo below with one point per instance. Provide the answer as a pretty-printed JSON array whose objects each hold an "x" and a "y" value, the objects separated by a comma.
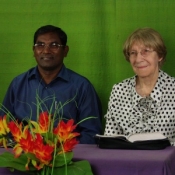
[
  {"x": 64, "y": 130},
  {"x": 43, "y": 151},
  {"x": 4, "y": 130},
  {"x": 16, "y": 130},
  {"x": 44, "y": 121},
  {"x": 69, "y": 144},
  {"x": 27, "y": 142},
  {"x": 23, "y": 138},
  {"x": 3, "y": 125},
  {"x": 39, "y": 142},
  {"x": 43, "y": 124}
]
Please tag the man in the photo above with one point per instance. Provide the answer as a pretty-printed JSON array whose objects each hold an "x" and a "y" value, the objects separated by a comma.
[{"x": 74, "y": 96}]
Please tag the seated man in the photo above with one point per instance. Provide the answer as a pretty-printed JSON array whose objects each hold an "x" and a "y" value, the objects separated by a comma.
[{"x": 73, "y": 94}]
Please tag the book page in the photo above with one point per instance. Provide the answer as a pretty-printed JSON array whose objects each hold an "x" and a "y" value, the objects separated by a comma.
[
  {"x": 110, "y": 136},
  {"x": 146, "y": 136}
]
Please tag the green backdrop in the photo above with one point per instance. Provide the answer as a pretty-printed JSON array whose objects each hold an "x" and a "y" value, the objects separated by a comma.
[{"x": 96, "y": 31}]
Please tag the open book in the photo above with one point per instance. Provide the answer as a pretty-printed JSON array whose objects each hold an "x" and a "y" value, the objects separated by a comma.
[
  {"x": 149, "y": 141},
  {"x": 136, "y": 137}
]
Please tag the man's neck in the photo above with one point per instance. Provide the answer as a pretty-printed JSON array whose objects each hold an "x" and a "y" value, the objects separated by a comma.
[{"x": 48, "y": 75}]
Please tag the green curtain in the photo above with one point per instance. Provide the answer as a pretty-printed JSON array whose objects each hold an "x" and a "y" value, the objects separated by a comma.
[{"x": 96, "y": 32}]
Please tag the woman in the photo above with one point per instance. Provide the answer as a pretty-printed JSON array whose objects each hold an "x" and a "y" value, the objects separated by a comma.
[{"x": 146, "y": 102}]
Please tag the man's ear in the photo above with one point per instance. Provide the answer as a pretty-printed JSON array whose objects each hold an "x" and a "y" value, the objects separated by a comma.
[{"x": 66, "y": 50}]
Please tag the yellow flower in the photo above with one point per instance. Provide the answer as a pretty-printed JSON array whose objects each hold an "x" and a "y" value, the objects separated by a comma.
[
  {"x": 4, "y": 130},
  {"x": 43, "y": 124}
]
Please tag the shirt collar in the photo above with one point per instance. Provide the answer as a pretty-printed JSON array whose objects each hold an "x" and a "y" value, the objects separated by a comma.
[{"x": 63, "y": 74}]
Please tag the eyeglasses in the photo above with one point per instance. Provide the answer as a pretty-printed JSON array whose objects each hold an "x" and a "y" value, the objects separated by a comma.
[
  {"x": 52, "y": 46},
  {"x": 143, "y": 52}
]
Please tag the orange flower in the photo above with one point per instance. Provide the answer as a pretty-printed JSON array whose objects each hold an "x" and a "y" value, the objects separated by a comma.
[
  {"x": 16, "y": 130},
  {"x": 43, "y": 151},
  {"x": 43, "y": 124},
  {"x": 64, "y": 130},
  {"x": 44, "y": 121},
  {"x": 69, "y": 144},
  {"x": 17, "y": 150},
  {"x": 38, "y": 140},
  {"x": 3, "y": 126},
  {"x": 4, "y": 130},
  {"x": 37, "y": 165},
  {"x": 25, "y": 143}
]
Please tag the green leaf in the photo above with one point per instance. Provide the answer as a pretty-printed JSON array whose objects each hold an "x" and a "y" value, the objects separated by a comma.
[
  {"x": 6, "y": 156},
  {"x": 76, "y": 168},
  {"x": 7, "y": 159},
  {"x": 31, "y": 156},
  {"x": 62, "y": 159},
  {"x": 49, "y": 136}
]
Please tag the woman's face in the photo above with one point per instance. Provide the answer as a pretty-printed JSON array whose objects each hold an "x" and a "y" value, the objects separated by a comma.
[{"x": 144, "y": 60}]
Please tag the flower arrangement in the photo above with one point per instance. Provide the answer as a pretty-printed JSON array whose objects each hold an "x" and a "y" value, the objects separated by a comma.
[{"x": 39, "y": 147}]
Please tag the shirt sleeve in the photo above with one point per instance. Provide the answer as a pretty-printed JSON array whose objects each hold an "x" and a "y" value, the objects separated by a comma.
[
  {"x": 8, "y": 102},
  {"x": 111, "y": 127},
  {"x": 90, "y": 115}
]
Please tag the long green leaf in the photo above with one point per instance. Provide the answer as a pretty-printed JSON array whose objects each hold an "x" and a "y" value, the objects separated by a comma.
[
  {"x": 60, "y": 159},
  {"x": 7, "y": 159},
  {"x": 76, "y": 168}
]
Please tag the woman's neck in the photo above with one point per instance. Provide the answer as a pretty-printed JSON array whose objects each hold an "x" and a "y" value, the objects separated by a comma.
[{"x": 145, "y": 85}]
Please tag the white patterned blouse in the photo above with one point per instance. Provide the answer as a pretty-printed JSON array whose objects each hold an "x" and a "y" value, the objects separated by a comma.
[{"x": 129, "y": 113}]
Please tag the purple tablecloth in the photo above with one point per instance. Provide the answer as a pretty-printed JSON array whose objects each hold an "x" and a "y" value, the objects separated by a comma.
[
  {"x": 127, "y": 162},
  {"x": 122, "y": 162}
]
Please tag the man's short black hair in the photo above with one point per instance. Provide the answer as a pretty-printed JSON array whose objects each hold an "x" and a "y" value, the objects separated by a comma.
[{"x": 51, "y": 29}]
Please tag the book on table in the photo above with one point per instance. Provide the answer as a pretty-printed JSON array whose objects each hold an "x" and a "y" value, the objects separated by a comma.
[
  {"x": 136, "y": 137},
  {"x": 155, "y": 140}
]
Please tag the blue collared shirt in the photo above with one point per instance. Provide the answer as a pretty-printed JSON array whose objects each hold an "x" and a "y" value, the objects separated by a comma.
[{"x": 72, "y": 91}]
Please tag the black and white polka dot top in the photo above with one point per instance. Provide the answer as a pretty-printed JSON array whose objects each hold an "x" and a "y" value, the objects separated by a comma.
[{"x": 129, "y": 113}]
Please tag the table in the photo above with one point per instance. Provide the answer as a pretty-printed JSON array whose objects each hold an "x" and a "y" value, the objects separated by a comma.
[
  {"x": 127, "y": 162},
  {"x": 122, "y": 162}
]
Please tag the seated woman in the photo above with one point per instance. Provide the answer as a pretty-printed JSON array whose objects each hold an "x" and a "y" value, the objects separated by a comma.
[{"x": 146, "y": 102}]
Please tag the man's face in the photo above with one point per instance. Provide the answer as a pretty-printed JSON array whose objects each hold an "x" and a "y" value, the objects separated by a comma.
[{"x": 48, "y": 57}]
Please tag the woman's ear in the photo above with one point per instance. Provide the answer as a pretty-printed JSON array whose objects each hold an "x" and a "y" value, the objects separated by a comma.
[{"x": 160, "y": 59}]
